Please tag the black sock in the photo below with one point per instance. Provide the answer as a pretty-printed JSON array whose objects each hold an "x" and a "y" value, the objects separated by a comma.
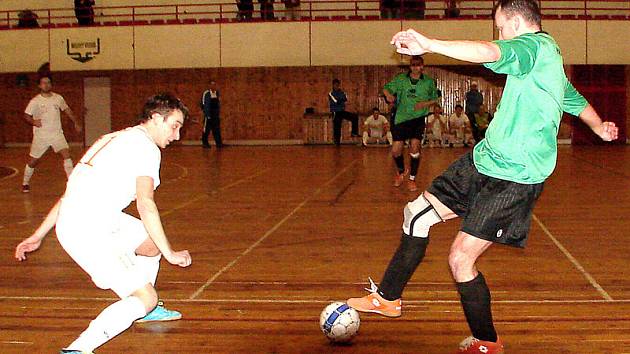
[
  {"x": 475, "y": 298},
  {"x": 415, "y": 163},
  {"x": 400, "y": 269},
  {"x": 400, "y": 163}
]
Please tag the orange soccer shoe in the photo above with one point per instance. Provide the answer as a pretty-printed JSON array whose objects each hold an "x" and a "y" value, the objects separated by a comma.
[
  {"x": 411, "y": 185},
  {"x": 376, "y": 303},
  {"x": 399, "y": 178},
  {"x": 472, "y": 345}
]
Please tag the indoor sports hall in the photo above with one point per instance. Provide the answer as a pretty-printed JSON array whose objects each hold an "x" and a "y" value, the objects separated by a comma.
[{"x": 280, "y": 221}]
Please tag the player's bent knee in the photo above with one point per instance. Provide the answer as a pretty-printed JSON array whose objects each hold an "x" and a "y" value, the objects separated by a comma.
[
  {"x": 460, "y": 263},
  {"x": 148, "y": 296},
  {"x": 419, "y": 217}
]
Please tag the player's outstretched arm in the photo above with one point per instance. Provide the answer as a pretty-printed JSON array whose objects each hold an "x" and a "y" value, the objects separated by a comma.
[
  {"x": 74, "y": 119},
  {"x": 607, "y": 131},
  {"x": 150, "y": 217},
  {"x": 410, "y": 42},
  {"x": 33, "y": 242}
]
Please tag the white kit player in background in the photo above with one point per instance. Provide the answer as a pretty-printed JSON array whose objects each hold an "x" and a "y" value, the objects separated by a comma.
[
  {"x": 376, "y": 128},
  {"x": 44, "y": 114},
  {"x": 117, "y": 250},
  {"x": 437, "y": 128},
  {"x": 459, "y": 127}
]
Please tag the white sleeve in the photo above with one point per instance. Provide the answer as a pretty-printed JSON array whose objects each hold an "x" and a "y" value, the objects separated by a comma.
[
  {"x": 30, "y": 108},
  {"x": 62, "y": 103}
]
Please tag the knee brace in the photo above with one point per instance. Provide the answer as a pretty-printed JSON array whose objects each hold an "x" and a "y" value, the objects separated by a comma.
[{"x": 419, "y": 217}]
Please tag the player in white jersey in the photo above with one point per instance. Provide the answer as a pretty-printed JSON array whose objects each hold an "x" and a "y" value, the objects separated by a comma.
[
  {"x": 118, "y": 251},
  {"x": 459, "y": 127},
  {"x": 376, "y": 128},
  {"x": 44, "y": 114},
  {"x": 437, "y": 127}
]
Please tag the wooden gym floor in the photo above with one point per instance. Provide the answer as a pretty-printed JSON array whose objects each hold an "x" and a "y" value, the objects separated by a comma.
[{"x": 276, "y": 233}]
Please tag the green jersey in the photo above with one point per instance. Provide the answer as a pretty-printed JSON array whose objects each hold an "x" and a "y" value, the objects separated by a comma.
[
  {"x": 408, "y": 94},
  {"x": 521, "y": 141}
]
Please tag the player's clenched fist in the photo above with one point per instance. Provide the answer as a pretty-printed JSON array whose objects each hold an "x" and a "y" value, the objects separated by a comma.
[
  {"x": 410, "y": 42},
  {"x": 180, "y": 258}
]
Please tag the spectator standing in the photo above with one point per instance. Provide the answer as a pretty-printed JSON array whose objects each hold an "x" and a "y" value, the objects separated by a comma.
[
  {"x": 211, "y": 106},
  {"x": 337, "y": 102},
  {"x": 474, "y": 99},
  {"x": 84, "y": 11}
]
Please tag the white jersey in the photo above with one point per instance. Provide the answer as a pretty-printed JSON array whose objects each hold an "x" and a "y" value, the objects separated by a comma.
[
  {"x": 437, "y": 128},
  {"x": 456, "y": 122},
  {"x": 103, "y": 183},
  {"x": 376, "y": 125},
  {"x": 48, "y": 110}
]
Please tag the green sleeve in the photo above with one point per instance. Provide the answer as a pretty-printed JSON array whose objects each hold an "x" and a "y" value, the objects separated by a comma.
[
  {"x": 434, "y": 91},
  {"x": 518, "y": 56},
  {"x": 392, "y": 86},
  {"x": 574, "y": 103}
]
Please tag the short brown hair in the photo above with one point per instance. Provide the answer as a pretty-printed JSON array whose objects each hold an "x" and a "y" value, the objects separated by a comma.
[
  {"x": 164, "y": 104},
  {"x": 529, "y": 9}
]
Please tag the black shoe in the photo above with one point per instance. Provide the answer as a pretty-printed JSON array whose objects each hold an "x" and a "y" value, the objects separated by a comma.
[{"x": 206, "y": 146}]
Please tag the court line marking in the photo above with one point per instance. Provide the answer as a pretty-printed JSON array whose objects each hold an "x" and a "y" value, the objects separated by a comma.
[
  {"x": 15, "y": 172},
  {"x": 183, "y": 175},
  {"x": 269, "y": 232},
  {"x": 15, "y": 342},
  {"x": 573, "y": 260},
  {"x": 206, "y": 195},
  {"x": 311, "y": 301}
]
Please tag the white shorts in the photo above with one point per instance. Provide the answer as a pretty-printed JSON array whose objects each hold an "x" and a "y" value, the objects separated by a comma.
[
  {"x": 107, "y": 254},
  {"x": 41, "y": 143}
]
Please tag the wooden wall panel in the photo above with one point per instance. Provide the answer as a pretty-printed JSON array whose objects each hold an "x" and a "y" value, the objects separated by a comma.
[{"x": 257, "y": 103}]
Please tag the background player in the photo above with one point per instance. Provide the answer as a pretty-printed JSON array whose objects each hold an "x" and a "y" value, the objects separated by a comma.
[
  {"x": 43, "y": 113},
  {"x": 376, "y": 128},
  {"x": 413, "y": 94},
  {"x": 118, "y": 251},
  {"x": 494, "y": 188}
]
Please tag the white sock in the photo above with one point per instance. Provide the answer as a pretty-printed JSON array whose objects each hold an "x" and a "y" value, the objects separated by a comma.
[
  {"x": 28, "y": 173},
  {"x": 116, "y": 318},
  {"x": 67, "y": 166},
  {"x": 150, "y": 266}
]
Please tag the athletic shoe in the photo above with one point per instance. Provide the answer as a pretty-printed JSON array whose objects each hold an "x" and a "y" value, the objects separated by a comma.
[
  {"x": 376, "y": 303},
  {"x": 26, "y": 188},
  {"x": 160, "y": 313},
  {"x": 399, "y": 178},
  {"x": 69, "y": 351},
  {"x": 411, "y": 185},
  {"x": 472, "y": 345}
]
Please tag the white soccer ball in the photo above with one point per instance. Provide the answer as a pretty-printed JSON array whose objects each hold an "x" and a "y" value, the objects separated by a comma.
[{"x": 339, "y": 322}]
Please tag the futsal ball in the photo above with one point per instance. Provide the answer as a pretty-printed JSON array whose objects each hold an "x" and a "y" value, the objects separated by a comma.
[{"x": 339, "y": 322}]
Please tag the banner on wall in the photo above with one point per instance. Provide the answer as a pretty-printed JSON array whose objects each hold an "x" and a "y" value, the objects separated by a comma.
[
  {"x": 83, "y": 51},
  {"x": 103, "y": 48}
]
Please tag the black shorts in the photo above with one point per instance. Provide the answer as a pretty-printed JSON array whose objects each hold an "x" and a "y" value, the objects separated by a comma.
[
  {"x": 411, "y": 129},
  {"x": 492, "y": 209}
]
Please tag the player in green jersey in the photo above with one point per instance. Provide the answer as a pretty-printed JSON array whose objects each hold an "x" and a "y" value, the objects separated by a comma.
[
  {"x": 414, "y": 94},
  {"x": 493, "y": 188}
]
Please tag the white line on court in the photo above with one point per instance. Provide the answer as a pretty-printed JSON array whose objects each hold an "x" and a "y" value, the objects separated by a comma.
[
  {"x": 206, "y": 195},
  {"x": 575, "y": 262},
  {"x": 269, "y": 232},
  {"x": 15, "y": 342},
  {"x": 15, "y": 172},
  {"x": 311, "y": 301},
  {"x": 183, "y": 175}
]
